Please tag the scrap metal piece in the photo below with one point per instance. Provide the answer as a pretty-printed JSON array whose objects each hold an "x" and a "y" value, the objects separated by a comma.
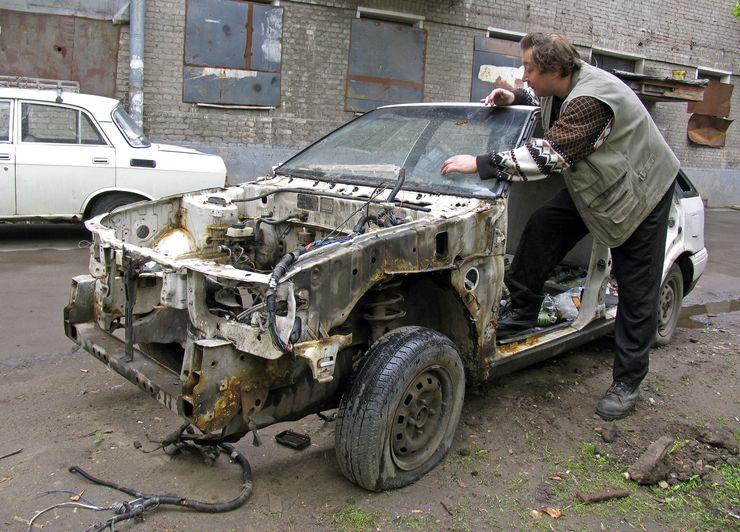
[
  {"x": 708, "y": 130},
  {"x": 716, "y": 102},
  {"x": 322, "y": 355}
]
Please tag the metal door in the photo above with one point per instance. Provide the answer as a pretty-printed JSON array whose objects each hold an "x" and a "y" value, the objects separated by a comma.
[
  {"x": 61, "y": 159},
  {"x": 7, "y": 159}
]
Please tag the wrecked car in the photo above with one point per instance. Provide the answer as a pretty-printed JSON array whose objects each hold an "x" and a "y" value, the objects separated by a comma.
[{"x": 354, "y": 277}]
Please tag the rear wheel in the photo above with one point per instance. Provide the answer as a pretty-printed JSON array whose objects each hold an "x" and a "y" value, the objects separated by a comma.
[
  {"x": 108, "y": 202},
  {"x": 397, "y": 419},
  {"x": 669, "y": 306}
]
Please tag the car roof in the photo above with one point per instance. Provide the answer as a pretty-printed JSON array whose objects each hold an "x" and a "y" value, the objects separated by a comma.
[{"x": 99, "y": 106}]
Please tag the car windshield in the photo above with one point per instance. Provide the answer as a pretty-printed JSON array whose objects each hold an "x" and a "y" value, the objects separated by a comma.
[
  {"x": 375, "y": 146},
  {"x": 133, "y": 133}
]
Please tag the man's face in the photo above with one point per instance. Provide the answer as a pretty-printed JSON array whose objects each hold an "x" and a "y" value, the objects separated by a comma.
[{"x": 542, "y": 83}]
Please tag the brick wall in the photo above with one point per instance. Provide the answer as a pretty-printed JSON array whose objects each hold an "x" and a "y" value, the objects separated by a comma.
[{"x": 668, "y": 33}]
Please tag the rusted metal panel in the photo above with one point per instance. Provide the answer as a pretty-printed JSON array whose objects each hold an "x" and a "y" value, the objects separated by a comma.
[
  {"x": 708, "y": 130},
  {"x": 496, "y": 64},
  {"x": 716, "y": 102},
  {"x": 386, "y": 64},
  {"x": 231, "y": 87},
  {"x": 216, "y": 33},
  {"x": 266, "y": 47},
  {"x": 232, "y": 53},
  {"x": 60, "y": 47}
]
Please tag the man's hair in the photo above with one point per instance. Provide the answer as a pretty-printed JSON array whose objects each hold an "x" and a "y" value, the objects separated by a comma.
[{"x": 552, "y": 52}]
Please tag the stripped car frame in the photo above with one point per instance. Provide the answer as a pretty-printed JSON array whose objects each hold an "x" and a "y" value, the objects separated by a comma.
[{"x": 242, "y": 307}]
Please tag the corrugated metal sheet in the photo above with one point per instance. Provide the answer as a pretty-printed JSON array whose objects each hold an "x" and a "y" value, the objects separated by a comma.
[
  {"x": 60, "y": 47},
  {"x": 386, "y": 64},
  {"x": 496, "y": 63},
  {"x": 232, "y": 53}
]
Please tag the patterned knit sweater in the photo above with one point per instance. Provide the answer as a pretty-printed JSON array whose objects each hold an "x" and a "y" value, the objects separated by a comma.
[{"x": 574, "y": 135}]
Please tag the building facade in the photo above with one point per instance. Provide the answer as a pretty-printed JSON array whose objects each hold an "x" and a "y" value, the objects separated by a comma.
[{"x": 256, "y": 81}]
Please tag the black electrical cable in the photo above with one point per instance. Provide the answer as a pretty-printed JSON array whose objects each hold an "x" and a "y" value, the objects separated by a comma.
[{"x": 144, "y": 501}]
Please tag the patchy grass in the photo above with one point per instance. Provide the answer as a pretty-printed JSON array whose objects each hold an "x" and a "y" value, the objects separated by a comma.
[
  {"x": 693, "y": 504},
  {"x": 355, "y": 518}
]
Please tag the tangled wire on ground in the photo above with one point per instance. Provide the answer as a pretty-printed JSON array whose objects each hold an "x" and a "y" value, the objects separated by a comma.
[{"x": 182, "y": 439}]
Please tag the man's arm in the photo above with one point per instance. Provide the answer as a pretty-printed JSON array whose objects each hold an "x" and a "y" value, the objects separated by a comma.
[{"x": 581, "y": 129}]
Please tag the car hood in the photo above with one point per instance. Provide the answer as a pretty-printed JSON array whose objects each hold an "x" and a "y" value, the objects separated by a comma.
[{"x": 176, "y": 149}]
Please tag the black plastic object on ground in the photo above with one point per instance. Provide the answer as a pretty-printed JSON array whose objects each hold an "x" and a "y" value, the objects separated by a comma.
[{"x": 293, "y": 439}]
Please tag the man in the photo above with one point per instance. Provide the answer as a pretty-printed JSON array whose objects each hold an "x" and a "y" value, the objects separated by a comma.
[{"x": 619, "y": 174}]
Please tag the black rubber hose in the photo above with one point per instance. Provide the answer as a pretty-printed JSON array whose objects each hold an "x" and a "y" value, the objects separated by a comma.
[
  {"x": 281, "y": 268},
  {"x": 360, "y": 225},
  {"x": 399, "y": 184}
]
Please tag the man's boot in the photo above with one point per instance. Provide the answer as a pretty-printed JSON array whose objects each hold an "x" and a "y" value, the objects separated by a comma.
[
  {"x": 512, "y": 321},
  {"x": 618, "y": 401}
]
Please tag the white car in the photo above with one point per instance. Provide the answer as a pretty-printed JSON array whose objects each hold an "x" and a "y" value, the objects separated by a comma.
[{"x": 74, "y": 156}]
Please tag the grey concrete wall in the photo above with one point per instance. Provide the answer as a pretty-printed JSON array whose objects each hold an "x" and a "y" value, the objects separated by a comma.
[{"x": 718, "y": 187}]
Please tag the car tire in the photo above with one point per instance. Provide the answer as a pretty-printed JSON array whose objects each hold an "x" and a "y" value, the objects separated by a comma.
[
  {"x": 397, "y": 418},
  {"x": 108, "y": 202},
  {"x": 669, "y": 306}
]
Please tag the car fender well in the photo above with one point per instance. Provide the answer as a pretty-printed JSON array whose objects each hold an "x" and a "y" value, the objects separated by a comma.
[{"x": 99, "y": 194}]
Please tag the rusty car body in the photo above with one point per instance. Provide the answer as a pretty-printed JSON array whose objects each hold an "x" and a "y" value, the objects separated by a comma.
[{"x": 242, "y": 307}]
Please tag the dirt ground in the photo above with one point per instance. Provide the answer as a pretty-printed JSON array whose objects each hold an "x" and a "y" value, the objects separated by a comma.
[{"x": 526, "y": 444}]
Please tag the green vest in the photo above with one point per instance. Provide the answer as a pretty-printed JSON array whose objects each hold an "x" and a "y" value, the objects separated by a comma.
[{"x": 620, "y": 183}]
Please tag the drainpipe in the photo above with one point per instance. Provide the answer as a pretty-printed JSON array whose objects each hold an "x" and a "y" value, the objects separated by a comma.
[{"x": 136, "y": 62}]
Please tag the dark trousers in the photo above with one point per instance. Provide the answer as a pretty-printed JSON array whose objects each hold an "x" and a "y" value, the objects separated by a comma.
[{"x": 551, "y": 233}]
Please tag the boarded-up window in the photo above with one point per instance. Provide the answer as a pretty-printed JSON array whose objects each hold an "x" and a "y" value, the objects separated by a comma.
[
  {"x": 386, "y": 64},
  {"x": 232, "y": 53},
  {"x": 496, "y": 63}
]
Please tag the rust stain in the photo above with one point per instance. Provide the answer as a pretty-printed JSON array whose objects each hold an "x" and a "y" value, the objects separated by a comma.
[{"x": 515, "y": 347}]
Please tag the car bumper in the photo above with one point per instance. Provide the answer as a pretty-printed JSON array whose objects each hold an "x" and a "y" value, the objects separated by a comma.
[{"x": 699, "y": 263}]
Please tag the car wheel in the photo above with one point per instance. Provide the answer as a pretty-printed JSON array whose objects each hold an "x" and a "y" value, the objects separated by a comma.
[
  {"x": 669, "y": 306},
  {"x": 397, "y": 418},
  {"x": 111, "y": 201}
]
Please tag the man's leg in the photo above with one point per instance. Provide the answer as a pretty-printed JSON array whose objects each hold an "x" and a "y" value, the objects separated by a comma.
[
  {"x": 638, "y": 268},
  {"x": 550, "y": 233}
]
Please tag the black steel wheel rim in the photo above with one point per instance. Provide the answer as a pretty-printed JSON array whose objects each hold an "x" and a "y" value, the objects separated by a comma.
[
  {"x": 668, "y": 306},
  {"x": 419, "y": 423}
]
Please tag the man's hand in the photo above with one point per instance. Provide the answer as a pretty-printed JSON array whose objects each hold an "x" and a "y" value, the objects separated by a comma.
[
  {"x": 499, "y": 97},
  {"x": 464, "y": 164}
]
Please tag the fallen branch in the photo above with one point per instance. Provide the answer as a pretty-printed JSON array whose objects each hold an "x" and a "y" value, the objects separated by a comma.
[{"x": 602, "y": 496}]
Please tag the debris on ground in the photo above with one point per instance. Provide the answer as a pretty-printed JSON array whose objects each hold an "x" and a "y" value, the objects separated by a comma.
[
  {"x": 718, "y": 436},
  {"x": 600, "y": 496},
  {"x": 652, "y": 465},
  {"x": 555, "y": 513},
  {"x": 610, "y": 434},
  {"x": 13, "y": 453}
]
